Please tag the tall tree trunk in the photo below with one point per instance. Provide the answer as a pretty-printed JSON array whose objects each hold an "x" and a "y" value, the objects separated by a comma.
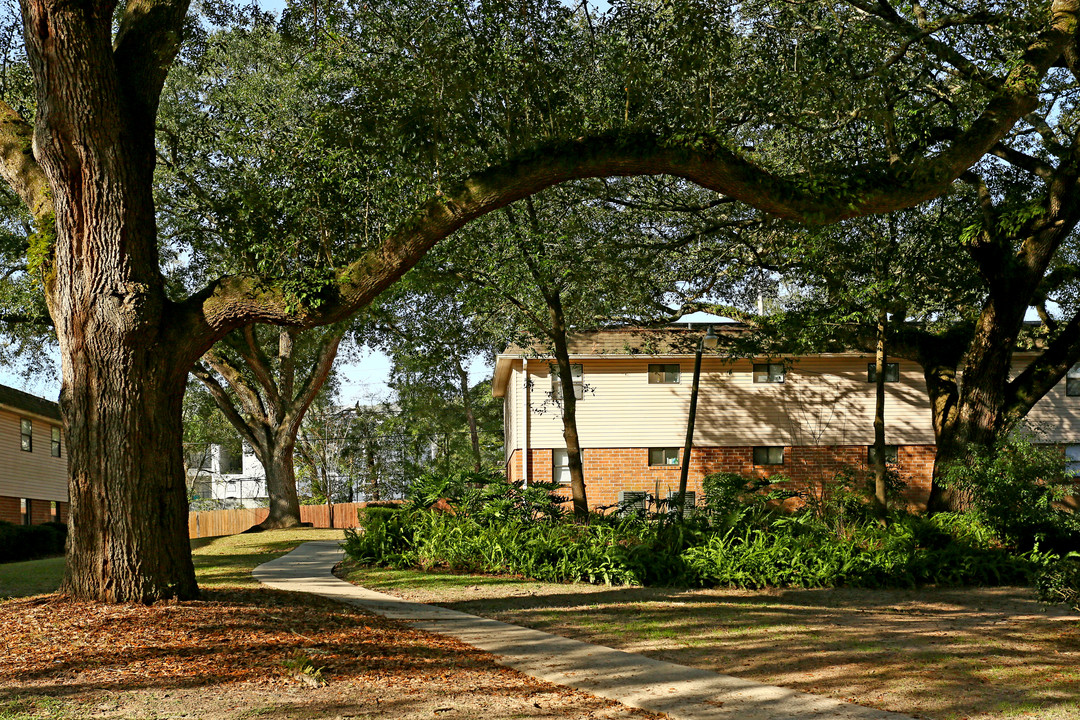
[
  {"x": 569, "y": 408},
  {"x": 373, "y": 471},
  {"x": 470, "y": 416},
  {"x": 276, "y": 456},
  {"x": 978, "y": 417},
  {"x": 272, "y": 409},
  {"x": 122, "y": 388},
  {"x": 881, "y": 362},
  {"x": 122, "y": 419}
]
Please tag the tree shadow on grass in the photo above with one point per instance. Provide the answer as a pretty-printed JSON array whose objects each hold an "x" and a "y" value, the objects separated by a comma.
[{"x": 948, "y": 652}]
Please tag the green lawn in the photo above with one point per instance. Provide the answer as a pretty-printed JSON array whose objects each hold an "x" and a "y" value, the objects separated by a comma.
[
  {"x": 222, "y": 561},
  {"x": 32, "y": 577}
]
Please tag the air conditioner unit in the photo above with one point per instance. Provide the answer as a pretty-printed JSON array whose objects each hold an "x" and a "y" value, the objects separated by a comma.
[
  {"x": 632, "y": 500},
  {"x": 673, "y": 500}
]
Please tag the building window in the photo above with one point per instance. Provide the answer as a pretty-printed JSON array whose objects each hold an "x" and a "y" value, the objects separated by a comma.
[
  {"x": 892, "y": 372},
  {"x": 54, "y": 448},
  {"x": 576, "y": 374},
  {"x": 769, "y": 455},
  {"x": 24, "y": 510},
  {"x": 891, "y": 455},
  {"x": 663, "y": 374},
  {"x": 560, "y": 466},
  {"x": 1072, "y": 381},
  {"x": 54, "y": 511},
  {"x": 769, "y": 372},
  {"x": 1072, "y": 460},
  {"x": 664, "y": 456},
  {"x": 26, "y": 428}
]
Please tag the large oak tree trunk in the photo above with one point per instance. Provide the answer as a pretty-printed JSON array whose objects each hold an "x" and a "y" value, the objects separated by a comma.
[
  {"x": 277, "y": 459},
  {"x": 122, "y": 390},
  {"x": 128, "y": 524},
  {"x": 975, "y": 414}
]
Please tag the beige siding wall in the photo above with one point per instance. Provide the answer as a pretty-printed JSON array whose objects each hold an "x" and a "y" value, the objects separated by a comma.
[
  {"x": 824, "y": 401},
  {"x": 511, "y": 414},
  {"x": 1055, "y": 418},
  {"x": 37, "y": 475}
]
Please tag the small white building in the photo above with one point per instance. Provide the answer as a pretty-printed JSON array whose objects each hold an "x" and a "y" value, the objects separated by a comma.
[{"x": 226, "y": 478}]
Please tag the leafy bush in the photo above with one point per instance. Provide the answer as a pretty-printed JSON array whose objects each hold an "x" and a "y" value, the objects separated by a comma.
[
  {"x": 1059, "y": 582},
  {"x": 741, "y": 540},
  {"x": 29, "y": 542},
  {"x": 1014, "y": 491},
  {"x": 802, "y": 551},
  {"x": 486, "y": 493},
  {"x": 385, "y": 535},
  {"x": 725, "y": 493}
]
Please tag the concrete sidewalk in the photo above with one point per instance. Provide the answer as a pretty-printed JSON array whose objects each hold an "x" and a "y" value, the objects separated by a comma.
[{"x": 683, "y": 693}]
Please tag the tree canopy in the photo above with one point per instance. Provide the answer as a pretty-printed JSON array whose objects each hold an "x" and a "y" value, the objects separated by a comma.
[{"x": 464, "y": 108}]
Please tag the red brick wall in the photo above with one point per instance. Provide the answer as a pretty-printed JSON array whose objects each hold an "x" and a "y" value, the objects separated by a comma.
[
  {"x": 40, "y": 512},
  {"x": 609, "y": 470},
  {"x": 9, "y": 510}
]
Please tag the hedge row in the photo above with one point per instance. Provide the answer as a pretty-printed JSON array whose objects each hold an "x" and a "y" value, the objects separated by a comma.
[{"x": 28, "y": 542}]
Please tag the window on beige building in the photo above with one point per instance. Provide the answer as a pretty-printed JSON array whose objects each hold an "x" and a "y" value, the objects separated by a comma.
[
  {"x": 769, "y": 455},
  {"x": 26, "y": 429},
  {"x": 664, "y": 456},
  {"x": 55, "y": 442},
  {"x": 769, "y": 372},
  {"x": 1072, "y": 381},
  {"x": 663, "y": 373},
  {"x": 892, "y": 372},
  {"x": 891, "y": 454},
  {"x": 1072, "y": 460},
  {"x": 578, "y": 377},
  {"x": 560, "y": 466}
]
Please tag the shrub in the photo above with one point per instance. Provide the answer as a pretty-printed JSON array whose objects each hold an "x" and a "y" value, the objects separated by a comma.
[
  {"x": 800, "y": 551},
  {"x": 1014, "y": 489},
  {"x": 29, "y": 542},
  {"x": 1059, "y": 582},
  {"x": 741, "y": 540},
  {"x": 384, "y": 535}
]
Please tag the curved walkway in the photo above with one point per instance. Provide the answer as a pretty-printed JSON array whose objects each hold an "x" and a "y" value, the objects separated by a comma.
[{"x": 682, "y": 692}]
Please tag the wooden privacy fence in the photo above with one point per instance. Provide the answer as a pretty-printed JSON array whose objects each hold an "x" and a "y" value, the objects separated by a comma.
[{"x": 212, "y": 523}]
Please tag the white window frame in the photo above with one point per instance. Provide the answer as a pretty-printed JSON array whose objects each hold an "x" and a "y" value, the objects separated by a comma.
[
  {"x": 767, "y": 450},
  {"x": 1072, "y": 460},
  {"x": 668, "y": 455},
  {"x": 560, "y": 466},
  {"x": 892, "y": 372},
  {"x": 659, "y": 373},
  {"x": 577, "y": 373},
  {"x": 769, "y": 372},
  {"x": 1072, "y": 381},
  {"x": 26, "y": 434}
]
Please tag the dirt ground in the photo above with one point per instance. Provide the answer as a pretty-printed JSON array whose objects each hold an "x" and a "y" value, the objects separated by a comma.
[
  {"x": 255, "y": 653},
  {"x": 941, "y": 653}
]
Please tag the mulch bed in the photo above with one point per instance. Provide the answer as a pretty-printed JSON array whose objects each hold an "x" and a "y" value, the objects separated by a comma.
[{"x": 232, "y": 636}]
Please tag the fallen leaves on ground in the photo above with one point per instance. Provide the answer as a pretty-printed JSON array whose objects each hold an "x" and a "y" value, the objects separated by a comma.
[{"x": 60, "y": 647}]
